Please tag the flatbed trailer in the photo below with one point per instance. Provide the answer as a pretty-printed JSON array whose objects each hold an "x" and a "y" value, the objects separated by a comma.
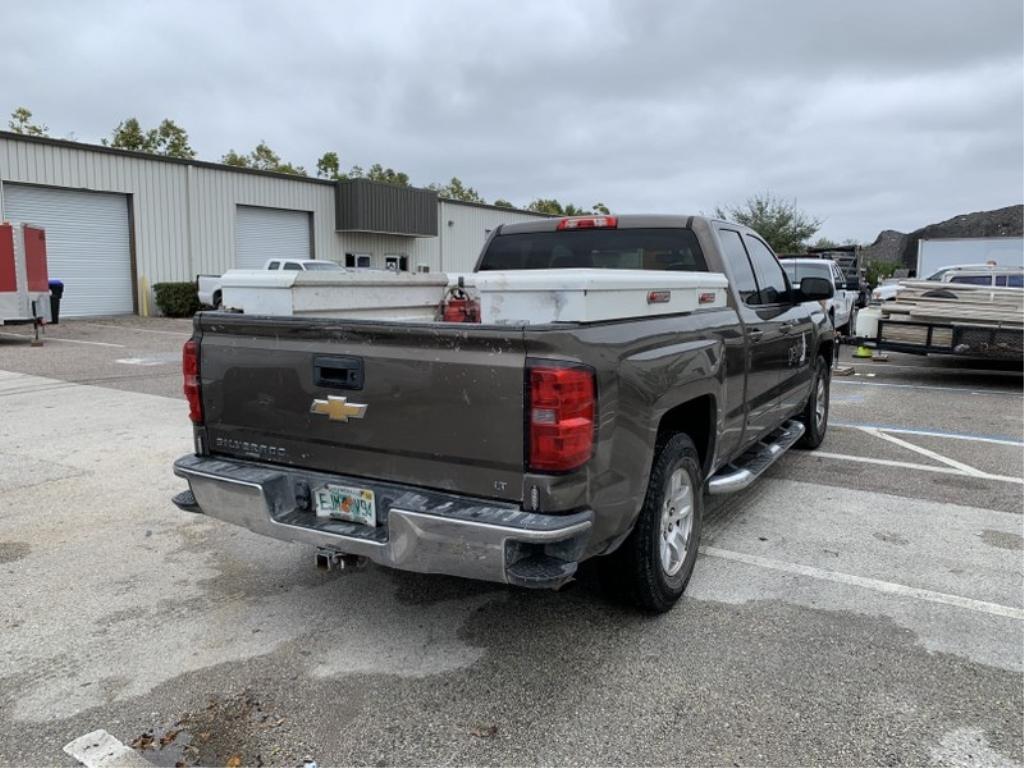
[{"x": 981, "y": 322}]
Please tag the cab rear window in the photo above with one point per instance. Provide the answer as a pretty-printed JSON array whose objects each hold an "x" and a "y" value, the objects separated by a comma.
[{"x": 674, "y": 250}]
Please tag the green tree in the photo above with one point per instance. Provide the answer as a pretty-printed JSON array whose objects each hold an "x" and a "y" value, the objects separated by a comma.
[
  {"x": 129, "y": 135},
  {"x": 21, "y": 122},
  {"x": 784, "y": 226},
  {"x": 328, "y": 166},
  {"x": 546, "y": 205},
  {"x": 387, "y": 175},
  {"x": 262, "y": 158},
  {"x": 824, "y": 242},
  {"x": 456, "y": 190},
  {"x": 235, "y": 159},
  {"x": 172, "y": 140},
  {"x": 501, "y": 203},
  {"x": 167, "y": 139},
  {"x": 552, "y": 207}
]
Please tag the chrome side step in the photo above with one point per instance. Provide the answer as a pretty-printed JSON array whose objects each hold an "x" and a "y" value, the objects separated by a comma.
[{"x": 747, "y": 468}]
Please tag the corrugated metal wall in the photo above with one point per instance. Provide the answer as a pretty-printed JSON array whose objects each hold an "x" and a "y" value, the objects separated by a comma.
[
  {"x": 184, "y": 215},
  {"x": 462, "y": 230}
]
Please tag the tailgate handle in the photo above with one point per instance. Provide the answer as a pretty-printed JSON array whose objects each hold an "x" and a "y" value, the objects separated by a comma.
[{"x": 338, "y": 372}]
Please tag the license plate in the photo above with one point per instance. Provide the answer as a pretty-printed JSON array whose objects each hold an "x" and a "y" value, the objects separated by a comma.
[{"x": 340, "y": 502}]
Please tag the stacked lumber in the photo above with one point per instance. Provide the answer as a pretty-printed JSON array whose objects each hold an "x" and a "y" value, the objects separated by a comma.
[{"x": 926, "y": 301}]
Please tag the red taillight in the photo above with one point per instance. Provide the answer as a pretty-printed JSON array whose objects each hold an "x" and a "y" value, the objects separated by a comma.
[
  {"x": 561, "y": 418},
  {"x": 589, "y": 222},
  {"x": 190, "y": 372}
]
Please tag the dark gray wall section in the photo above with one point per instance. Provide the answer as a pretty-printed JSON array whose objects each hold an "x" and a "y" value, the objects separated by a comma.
[{"x": 369, "y": 206}]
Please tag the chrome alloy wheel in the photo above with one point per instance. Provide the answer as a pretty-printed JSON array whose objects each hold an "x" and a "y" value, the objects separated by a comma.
[
  {"x": 676, "y": 522},
  {"x": 820, "y": 403}
]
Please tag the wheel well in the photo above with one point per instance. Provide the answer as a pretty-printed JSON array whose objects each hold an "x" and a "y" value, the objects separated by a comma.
[
  {"x": 695, "y": 418},
  {"x": 825, "y": 350}
]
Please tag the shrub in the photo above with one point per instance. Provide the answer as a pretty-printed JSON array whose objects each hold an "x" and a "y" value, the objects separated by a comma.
[
  {"x": 176, "y": 299},
  {"x": 877, "y": 271}
]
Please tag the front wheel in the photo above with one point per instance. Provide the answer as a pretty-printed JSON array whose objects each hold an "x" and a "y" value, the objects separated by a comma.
[
  {"x": 654, "y": 564},
  {"x": 815, "y": 413}
]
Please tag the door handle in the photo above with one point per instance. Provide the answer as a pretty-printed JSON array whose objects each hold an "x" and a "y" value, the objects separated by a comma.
[
  {"x": 755, "y": 334},
  {"x": 338, "y": 372}
]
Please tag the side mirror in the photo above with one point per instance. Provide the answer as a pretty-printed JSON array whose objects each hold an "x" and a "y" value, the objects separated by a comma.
[{"x": 816, "y": 289}]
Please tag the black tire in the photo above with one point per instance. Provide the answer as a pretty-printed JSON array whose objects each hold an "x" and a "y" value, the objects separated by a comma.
[
  {"x": 216, "y": 299},
  {"x": 635, "y": 571},
  {"x": 815, "y": 423}
]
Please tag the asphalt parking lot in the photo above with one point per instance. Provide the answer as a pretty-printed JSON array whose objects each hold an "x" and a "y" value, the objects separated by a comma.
[{"x": 860, "y": 605}]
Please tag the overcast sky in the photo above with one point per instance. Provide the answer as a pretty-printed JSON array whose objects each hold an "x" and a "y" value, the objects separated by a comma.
[{"x": 873, "y": 115}]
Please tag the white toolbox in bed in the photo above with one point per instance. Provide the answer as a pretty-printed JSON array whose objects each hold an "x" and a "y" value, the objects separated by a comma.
[
  {"x": 376, "y": 295},
  {"x": 591, "y": 295}
]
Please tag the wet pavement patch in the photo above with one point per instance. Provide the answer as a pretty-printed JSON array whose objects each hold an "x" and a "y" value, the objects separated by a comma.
[
  {"x": 10, "y": 551},
  {"x": 1002, "y": 539},
  {"x": 890, "y": 538},
  {"x": 233, "y": 730}
]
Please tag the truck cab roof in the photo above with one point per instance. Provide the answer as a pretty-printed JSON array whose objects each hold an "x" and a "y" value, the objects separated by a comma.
[{"x": 624, "y": 221}]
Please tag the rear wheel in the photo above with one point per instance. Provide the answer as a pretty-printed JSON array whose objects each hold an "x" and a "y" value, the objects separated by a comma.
[
  {"x": 654, "y": 564},
  {"x": 216, "y": 300},
  {"x": 815, "y": 413}
]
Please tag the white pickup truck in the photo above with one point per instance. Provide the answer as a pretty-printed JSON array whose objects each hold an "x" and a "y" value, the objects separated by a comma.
[
  {"x": 208, "y": 287},
  {"x": 840, "y": 306}
]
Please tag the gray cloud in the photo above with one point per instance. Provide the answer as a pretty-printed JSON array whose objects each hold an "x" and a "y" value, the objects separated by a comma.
[{"x": 872, "y": 114}]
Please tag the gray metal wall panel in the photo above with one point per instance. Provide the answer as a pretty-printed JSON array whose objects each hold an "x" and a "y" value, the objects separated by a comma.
[
  {"x": 367, "y": 206},
  {"x": 463, "y": 231}
]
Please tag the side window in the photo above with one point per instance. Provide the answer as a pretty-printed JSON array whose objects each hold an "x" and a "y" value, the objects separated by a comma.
[
  {"x": 739, "y": 265},
  {"x": 273, "y": 265},
  {"x": 972, "y": 279},
  {"x": 292, "y": 266},
  {"x": 770, "y": 277},
  {"x": 1015, "y": 281}
]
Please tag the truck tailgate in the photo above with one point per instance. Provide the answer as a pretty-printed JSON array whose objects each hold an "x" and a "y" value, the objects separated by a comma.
[{"x": 443, "y": 403}]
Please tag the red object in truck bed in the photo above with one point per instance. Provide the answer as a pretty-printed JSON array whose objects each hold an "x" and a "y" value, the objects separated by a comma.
[{"x": 8, "y": 273}]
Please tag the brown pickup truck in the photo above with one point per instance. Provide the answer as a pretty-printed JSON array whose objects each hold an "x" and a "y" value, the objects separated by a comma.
[{"x": 512, "y": 453}]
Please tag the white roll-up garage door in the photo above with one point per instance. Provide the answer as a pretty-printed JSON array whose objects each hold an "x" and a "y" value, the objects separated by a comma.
[
  {"x": 270, "y": 233},
  {"x": 87, "y": 245}
]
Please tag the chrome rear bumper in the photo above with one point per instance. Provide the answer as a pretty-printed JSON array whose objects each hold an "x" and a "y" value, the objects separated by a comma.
[{"x": 419, "y": 530}]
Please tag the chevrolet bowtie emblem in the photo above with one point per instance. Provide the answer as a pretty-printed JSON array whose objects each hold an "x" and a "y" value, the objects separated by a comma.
[{"x": 338, "y": 408}]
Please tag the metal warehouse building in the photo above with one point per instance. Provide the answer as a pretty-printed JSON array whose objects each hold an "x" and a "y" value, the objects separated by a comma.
[{"x": 117, "y": 222}]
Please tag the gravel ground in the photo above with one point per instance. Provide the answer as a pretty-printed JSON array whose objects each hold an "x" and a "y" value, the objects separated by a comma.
[{"x": 861, "y": 605}]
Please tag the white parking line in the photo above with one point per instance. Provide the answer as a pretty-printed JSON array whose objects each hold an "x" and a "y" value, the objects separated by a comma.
[
  {"x": 912, "y": 465},
  {"x": 885, "y": 587},
  {"x": 931, "y": 433},
  {"x": 65, "y": 341},
  {"x": 965, "y": 468},
  {"x": 935, "y": 369},
  {"x": 963, "y": 390},
  {"x": 139, "y": 330}
]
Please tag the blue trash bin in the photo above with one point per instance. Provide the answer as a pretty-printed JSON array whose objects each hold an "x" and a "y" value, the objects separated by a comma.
[{"x": 56, "y": 294}]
